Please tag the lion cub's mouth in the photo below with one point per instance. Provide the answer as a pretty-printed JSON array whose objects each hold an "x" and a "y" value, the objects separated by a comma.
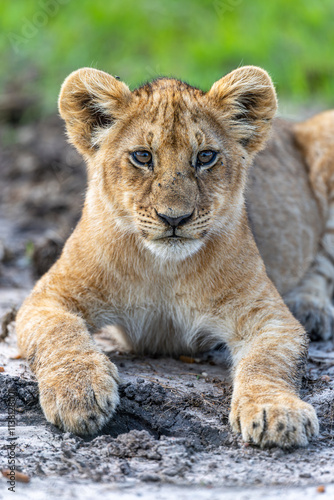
[{"x": 173, "y": 237}]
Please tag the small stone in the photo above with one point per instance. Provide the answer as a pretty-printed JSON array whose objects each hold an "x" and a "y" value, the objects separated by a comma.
[
  {"x": 186, "y": 359},
  {"x": 153, "y": 478},
  {"x": 15, "y": 356},
  {"x": 305, "y": 475},
  {"x": 321, "y": 489},
  {"x": 19, "y": 476},
  {"x": 67, "y": 453},
  {"x": 6, "y": 320}
]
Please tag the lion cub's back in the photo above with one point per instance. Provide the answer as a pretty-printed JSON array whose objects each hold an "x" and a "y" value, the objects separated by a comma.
[{"x": 283, "y": 212}]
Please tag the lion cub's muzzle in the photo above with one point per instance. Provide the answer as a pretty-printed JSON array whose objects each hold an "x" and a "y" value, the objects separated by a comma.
[{"x": 175, "y": 222}]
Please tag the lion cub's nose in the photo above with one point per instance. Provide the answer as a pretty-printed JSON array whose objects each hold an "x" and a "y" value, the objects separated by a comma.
[{"x": 175, "y": 221}]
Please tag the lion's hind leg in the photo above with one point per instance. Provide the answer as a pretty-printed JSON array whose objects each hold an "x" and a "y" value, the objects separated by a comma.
[{"x": 311, "y": 301}]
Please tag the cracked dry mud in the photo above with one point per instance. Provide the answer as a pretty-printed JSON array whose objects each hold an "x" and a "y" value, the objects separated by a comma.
[{"x": 170, "y": 436}]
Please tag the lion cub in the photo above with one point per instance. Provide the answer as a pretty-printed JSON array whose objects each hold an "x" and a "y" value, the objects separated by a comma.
[{"x": 163, "y": 251}]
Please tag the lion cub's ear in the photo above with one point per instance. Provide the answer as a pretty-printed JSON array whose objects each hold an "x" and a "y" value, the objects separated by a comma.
[
  {"x": 245, "y": 101},
  {"x": 89, "y": 101}
]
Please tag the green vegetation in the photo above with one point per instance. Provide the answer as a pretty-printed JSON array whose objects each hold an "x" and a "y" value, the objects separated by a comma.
[{"x": 195, "y": 40}]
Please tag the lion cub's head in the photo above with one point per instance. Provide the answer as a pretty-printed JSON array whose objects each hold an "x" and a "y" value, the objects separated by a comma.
[{"x": 168, "y": 161}]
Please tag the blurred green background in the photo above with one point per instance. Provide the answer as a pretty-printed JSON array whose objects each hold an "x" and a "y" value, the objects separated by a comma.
[{"x": 195, "y": 40}]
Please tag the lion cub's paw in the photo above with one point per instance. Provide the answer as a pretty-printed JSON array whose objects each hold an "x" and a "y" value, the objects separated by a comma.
[
  {"x": 315, "y": 313},
  {"x": 285, "y": 422},
  {"x": 80, "y": 395}
]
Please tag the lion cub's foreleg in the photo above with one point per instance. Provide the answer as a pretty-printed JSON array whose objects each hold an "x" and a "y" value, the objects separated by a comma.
[
  {"x": 77, "y": 383},
  {"x": 267, "y": 353}
]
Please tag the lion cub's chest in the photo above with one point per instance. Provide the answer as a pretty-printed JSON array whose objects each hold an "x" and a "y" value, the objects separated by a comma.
[{"x": 161, "y": 326}]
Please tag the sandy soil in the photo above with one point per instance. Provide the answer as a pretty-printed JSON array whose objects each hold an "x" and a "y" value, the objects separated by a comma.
[{"x": 170, "y": 436}]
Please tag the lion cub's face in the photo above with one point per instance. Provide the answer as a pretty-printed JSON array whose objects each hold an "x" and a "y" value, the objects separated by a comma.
[{"x": 168, "y": 161}]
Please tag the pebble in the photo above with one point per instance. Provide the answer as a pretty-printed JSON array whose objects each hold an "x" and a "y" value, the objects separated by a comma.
[
  {"x": 305, "y": 475},
  {"x": 150, "y": 478},
  {"x": 19, "y": 476}
]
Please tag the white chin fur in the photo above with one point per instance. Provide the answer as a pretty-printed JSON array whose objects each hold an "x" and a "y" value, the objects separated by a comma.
[{"x": 173, "y": 250}]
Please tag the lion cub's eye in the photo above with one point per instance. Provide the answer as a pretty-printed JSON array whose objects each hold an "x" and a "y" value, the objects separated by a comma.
[
  {"x": 205, "y": 158},
  {"x": 142, "y": 157}
]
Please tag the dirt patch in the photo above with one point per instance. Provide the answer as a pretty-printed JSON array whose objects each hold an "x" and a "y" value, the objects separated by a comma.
[
  {"x": 171, "y": 427},
  {"x": 42, "y": 184}
]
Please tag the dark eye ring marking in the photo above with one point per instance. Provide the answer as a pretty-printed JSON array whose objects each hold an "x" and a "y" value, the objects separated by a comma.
[
  {"x": 142, "y": 158},
  {"x": 206, "y": 158}
]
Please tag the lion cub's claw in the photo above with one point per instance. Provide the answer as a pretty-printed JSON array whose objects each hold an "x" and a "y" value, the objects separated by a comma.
[
  {"x": 80, "y": 398},
  {"x": 284, "y": 424}
]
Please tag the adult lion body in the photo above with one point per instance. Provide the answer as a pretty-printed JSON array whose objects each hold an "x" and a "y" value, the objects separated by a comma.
[
  {"x": 290, "y": 204},
  {"x": 164, "y": 251}
]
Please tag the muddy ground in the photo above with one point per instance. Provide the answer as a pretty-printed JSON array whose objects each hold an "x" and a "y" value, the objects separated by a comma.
[{"x": 170, "y": 436}]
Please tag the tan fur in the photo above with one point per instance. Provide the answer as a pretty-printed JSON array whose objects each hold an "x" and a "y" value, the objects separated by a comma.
[
  {"x": 290, "y": 199},
  {"x": 169, "y": 295}
]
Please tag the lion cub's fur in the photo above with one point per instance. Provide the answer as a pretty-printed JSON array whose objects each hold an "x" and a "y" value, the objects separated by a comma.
[{"x": 122, "y": 267}]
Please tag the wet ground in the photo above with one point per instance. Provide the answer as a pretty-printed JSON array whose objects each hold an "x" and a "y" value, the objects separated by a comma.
[{"x": 170, "y": 436}]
